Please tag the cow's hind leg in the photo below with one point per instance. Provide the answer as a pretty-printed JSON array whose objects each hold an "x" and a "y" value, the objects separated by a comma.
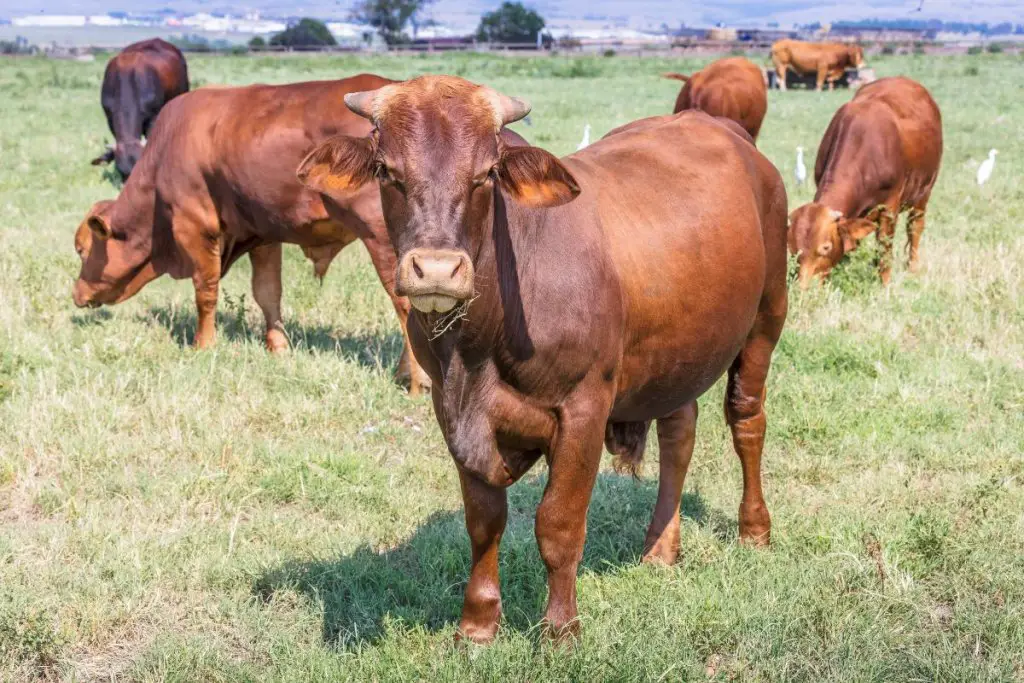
[
  {"x": 915, "y": 228},
  {"x": 676, "y": 434},
  {"x": 266, "y": 290},
  {"x": 744, "y": 411}
]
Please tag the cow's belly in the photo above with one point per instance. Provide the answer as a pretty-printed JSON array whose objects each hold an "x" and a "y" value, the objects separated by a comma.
[{"x": 687, "y": 347}]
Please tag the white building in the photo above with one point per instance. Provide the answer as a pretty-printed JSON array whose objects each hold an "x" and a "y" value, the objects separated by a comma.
[{"x": 50, "y": 20}]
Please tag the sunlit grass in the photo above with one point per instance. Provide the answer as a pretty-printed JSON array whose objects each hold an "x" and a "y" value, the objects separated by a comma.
[{"x": 167, "y": 514}]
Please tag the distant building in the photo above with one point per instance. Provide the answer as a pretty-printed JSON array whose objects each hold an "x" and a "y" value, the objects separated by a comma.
[{"x": 50, "y": 20}]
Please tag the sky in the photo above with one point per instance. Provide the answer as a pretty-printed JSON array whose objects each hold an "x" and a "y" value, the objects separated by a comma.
[{"x": 672, "y": 12}]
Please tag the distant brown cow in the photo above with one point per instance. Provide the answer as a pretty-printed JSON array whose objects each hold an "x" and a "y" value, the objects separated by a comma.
[
  {"x": 828, "y": 60},
  {"x": 137, "y": 83},
  {"x": 217, "y": 181},
  {"x": 565, "y": 304},
  {"x": 733, "y": 88},
  {"x": 880, "y": 156}
]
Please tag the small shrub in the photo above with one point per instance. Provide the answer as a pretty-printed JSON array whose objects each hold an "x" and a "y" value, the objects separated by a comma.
[
  {"x": 609, "y": 53},
  {"x": 738, "y": 52},
  {"x": 972, "y": 70},
  {"x": 974, "y": 50},
  {"x": 919, "y": 50},
  {"x": 577, "y": 68},
  {"x": 995, "y": 48},
  {"x": 889, "y": 49}
]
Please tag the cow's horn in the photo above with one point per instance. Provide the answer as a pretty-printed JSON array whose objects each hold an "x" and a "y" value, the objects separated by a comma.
[
  {"x": 361, "y": 103},
  {"x": 512, "y": 109}
]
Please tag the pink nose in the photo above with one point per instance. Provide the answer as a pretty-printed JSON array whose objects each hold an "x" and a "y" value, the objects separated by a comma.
[{"x": 435, "y": 279}]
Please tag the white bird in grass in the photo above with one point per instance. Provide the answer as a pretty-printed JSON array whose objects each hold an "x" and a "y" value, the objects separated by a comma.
[
  {"x": 985, "y": 170},
  {"x": 585, "y": 142},
  {"x": 801, "y": 170}
]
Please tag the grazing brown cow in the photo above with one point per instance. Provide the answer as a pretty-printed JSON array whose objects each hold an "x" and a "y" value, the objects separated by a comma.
[
  {"x": 733, "y": 88},
  {"x": 217, "y": 181},
  {"x": 828, "y": 60},
  {"x": 564, "y": 304},
  {"x": 137, "y": 83},
  {"x": 880, "y": 156}
]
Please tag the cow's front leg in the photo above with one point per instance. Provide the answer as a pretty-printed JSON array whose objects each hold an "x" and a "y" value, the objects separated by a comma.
[
  {"x": 885, "y": 233},
  {"x": 561, "y": 526},
  {"x": 486, "y": 513}
]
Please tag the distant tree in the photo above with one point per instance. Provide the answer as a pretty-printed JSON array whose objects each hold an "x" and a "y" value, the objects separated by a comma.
[
  {"x": 390, "y": 17},
  {"x": 510, "y": 23},
  {"x": 306, "y": 33},
  {"x": 257, "y": 42}
]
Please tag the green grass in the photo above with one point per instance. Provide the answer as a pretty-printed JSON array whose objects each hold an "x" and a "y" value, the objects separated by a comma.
[{"x": 173, "y": 515}]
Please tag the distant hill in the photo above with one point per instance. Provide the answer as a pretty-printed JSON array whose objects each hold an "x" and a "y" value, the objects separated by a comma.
[{"x": 637, "y": 13}]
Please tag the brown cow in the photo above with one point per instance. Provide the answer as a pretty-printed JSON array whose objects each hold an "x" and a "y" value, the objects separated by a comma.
[
  {"x": 137, "y": 83},
  {"x": 880, "y": 156},
  {"x": 217, "y": 181},
  {"x": 733, "y": 88},
  {"x": 564, "y": 304},
  {"x": 828, "y": 60}
]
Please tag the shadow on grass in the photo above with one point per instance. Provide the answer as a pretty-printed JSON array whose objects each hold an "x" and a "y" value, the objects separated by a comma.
[
  {"x": 421, "y": 581},
  {"x": 91, "y": 318},
  {"x": 367, "y": 349}
]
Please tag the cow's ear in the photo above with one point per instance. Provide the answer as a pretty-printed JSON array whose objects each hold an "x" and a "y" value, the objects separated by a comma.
[
  {"x": 536, "y": 178},
  {"x": 853, "y": 231},
  {"x": 338, "y": 163},
  {"x": 99, "y": 225}
]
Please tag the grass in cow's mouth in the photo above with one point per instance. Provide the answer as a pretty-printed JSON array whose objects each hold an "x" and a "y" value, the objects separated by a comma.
[{"x": 228, "y": 515}]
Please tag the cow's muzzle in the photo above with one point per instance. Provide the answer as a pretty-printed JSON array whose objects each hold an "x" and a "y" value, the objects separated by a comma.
[{"x": 435, "y": 280}]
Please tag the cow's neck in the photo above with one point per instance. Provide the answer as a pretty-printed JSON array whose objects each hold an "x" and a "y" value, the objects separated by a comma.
[{"x": 481, "y": 405}]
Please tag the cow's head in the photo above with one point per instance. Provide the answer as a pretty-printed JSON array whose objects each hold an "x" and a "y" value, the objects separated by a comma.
[
  {"x": 857, "y": 56},
  {"x": 820, "y": 236},
  {"x": 126, "y": 155},
  {"x": 439, "y": 160},
  {"x": 113, "y": 267}
]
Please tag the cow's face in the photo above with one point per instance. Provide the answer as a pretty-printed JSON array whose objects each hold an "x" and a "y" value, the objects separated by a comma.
[
  {"x": 819, "y": 237},
  {"x": 857, "y": 56},
  {"x": 126, "y": 156},
  {"x": 112, "y": 269},
  {"x": 438, "y": 158}
]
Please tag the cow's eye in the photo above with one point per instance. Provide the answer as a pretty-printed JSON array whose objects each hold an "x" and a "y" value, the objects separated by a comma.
[
  {"x": 385, "y": 175},
  {"x": 491, "y": 175}
]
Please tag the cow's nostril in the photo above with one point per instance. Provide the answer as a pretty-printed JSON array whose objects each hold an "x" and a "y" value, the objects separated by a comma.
[
  {"x": 416, "y": 269},
  {"x": 458, "y": 265}
]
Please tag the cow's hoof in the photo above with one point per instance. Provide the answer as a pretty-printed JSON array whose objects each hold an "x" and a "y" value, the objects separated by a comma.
[
  {"x": 663, "y": 555},
  {"x": 277, "y": 342},
  {"x": 564, "y": 635},
  {"x": 476, "y": 635}
]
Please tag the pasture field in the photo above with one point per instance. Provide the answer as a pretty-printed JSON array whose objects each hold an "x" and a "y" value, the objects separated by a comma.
[{"x": 167, "y": 514}]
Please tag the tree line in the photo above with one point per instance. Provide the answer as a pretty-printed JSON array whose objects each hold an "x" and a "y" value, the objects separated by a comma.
[{"x": 512, "y": 22}]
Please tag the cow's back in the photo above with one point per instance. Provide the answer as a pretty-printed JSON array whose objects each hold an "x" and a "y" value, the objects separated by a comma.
[
  {"x": 733, "y": 88},
  {"x": 241, "y": 145}
]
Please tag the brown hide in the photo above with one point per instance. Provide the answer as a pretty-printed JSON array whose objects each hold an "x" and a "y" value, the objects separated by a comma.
[
  {"x": 732, "y": 88},
  {"x": 137, "y": 83},
  {"x": 561, "y": 305},
  {"x": 217, "y": 181},
  {"x": 827, "y": 60},
  {"x": 880, "y": 156}
]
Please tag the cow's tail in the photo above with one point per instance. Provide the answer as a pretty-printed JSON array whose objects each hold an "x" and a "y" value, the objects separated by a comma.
[
  {"x": 626, "y": 441},
  {"x": 676, "y": 77}
]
